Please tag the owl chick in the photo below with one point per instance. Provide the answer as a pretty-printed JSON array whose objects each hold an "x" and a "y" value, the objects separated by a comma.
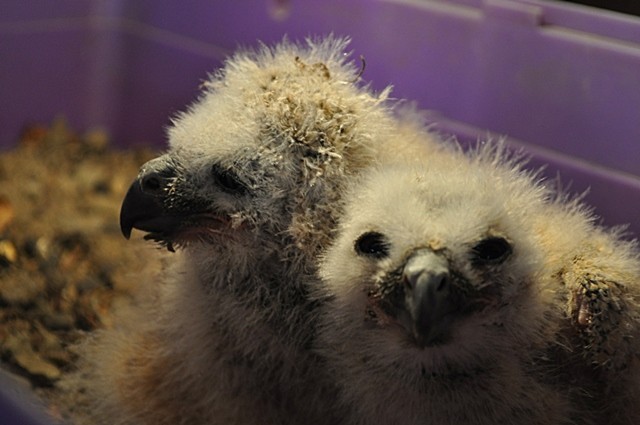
[
  {"x": 247, "y": 196},
  {"x": 448, "y": 287}
]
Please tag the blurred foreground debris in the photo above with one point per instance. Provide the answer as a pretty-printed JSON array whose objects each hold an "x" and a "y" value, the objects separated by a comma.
[{"x": 64, "y": 266}]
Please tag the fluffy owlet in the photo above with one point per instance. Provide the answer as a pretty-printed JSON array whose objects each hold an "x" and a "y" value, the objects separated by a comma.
[
  {"x": 448, "y": 287},
  {"x": 247, "y": 196}
]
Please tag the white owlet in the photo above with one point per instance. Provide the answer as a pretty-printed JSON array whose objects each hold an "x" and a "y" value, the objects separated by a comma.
[
  {"x": 247, "y": 196},
  {"x": 465, "y": 291}
]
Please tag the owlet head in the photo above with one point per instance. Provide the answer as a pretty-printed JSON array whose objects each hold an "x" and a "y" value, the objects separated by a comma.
[{"x": 440, "y": 256}]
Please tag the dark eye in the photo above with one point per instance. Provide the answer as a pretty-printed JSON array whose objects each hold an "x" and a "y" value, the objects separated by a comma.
[
  {"x": 372, "y": 244},
  {"x": 492, "y": 250},
  {"x": 228, "y": 181}
]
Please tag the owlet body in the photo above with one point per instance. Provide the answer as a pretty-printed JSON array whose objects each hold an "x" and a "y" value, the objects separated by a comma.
[
  {"x": 247, "y": 196},
  {"x": 449, "y": 285}
]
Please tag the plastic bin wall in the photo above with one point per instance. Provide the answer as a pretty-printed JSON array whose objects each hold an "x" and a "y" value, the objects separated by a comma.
[{"x": 559, "y": 79}]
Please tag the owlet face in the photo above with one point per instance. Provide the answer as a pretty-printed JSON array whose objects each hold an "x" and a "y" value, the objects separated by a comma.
[
  {"x": 438, "y": 260},
  {"x": 430, "y": 288},
  {"x": 257, "y": 161}
]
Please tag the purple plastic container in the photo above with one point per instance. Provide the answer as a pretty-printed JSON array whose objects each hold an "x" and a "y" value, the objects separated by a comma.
[{"x": 559, "y": 79}]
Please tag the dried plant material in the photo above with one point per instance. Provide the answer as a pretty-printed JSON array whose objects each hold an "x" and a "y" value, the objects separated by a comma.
[
  {"x": 6, "y": 213},
  {"x": 63, "y": 262}
]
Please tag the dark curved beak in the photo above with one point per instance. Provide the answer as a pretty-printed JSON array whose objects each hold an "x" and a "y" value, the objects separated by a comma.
[
  {"x": 429, "y": 298},
  {"x": 144, "y": 205}
]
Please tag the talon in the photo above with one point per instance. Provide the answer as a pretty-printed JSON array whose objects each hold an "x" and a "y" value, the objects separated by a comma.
[{"x": 584, "y": 316}]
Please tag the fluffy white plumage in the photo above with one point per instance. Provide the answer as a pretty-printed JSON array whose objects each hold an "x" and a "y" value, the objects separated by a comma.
[
  {"x": 465, "y": 291},
  {"x": 248, "y": 194}
]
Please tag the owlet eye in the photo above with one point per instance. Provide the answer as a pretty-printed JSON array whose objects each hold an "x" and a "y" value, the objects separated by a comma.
[
  {"x": 228, "y": 181},
  {"x": 372, "y": 244},
  {"x": 492, "y": 250}
]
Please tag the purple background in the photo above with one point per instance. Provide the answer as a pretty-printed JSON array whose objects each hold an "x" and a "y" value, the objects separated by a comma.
[
  {"x": 561, "y": 80},
  {"x": 561, "y": 77}
]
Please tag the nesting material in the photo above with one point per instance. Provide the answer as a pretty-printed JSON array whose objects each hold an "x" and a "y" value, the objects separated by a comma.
[{"x": 64, "y": 266}]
